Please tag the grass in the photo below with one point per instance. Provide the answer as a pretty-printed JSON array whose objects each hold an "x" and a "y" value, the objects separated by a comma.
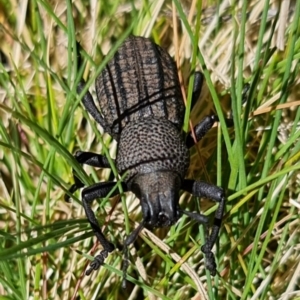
[{"x": 45, "y": 242}]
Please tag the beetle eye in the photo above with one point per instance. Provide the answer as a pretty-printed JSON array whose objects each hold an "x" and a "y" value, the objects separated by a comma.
[{"x": 136, "y": 190}]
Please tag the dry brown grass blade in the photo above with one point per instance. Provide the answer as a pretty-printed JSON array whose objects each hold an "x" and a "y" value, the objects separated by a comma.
[{"x": 185, "y": 266}]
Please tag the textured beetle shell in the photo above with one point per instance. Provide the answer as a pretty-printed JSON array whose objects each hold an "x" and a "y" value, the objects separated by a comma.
[
  {"x": 140, "y": 81},
  {"x": 151, "y": 144}
]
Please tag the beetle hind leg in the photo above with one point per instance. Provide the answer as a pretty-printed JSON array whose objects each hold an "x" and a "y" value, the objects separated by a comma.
[
  {"x": 201, "y": 129},
  {"x": 198, "y": 82}
]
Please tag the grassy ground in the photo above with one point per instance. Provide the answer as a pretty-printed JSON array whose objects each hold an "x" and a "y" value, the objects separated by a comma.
[{"x": 45, "y": 242}]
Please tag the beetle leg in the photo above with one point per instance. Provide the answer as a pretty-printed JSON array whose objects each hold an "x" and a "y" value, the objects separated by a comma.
[
  {"x": 196, "y": 216},
  {"x": 198, "y": 82},
  {"x": 201, "y": 129},
  {"x": 92, "y": 159},
  {"x": 89, "y": 194},
  {"x": 90, "y": 106},
  {"x": 206, "y": 190},
  {"x": 87, "y": 158}
]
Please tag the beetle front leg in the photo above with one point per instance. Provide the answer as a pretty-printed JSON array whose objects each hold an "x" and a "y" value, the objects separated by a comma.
[
  {"x": 87, "y": 158},
  {"x": 206, "y": 190},
  {"x": 89, "y": 194}
]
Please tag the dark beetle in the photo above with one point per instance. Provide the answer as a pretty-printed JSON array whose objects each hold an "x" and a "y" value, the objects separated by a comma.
[{"x": 142, "y": 108}]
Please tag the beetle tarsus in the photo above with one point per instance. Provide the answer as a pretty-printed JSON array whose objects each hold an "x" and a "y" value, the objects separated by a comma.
[
  {"x": 210, "y": 262},
  {"x": 97, "y": 262}
]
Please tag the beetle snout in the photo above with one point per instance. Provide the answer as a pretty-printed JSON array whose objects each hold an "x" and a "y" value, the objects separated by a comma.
[
  {"x": 160, "y": 210},
  {"x": 159, "y": 195},
  {"x": 160, "y": 219}
]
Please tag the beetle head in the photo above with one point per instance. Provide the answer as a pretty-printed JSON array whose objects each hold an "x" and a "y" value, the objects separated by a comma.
[{"x": 159, "y": 195}]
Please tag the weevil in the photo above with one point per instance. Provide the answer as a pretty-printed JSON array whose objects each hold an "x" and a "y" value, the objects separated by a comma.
[{"x": 142, "y": 108}]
